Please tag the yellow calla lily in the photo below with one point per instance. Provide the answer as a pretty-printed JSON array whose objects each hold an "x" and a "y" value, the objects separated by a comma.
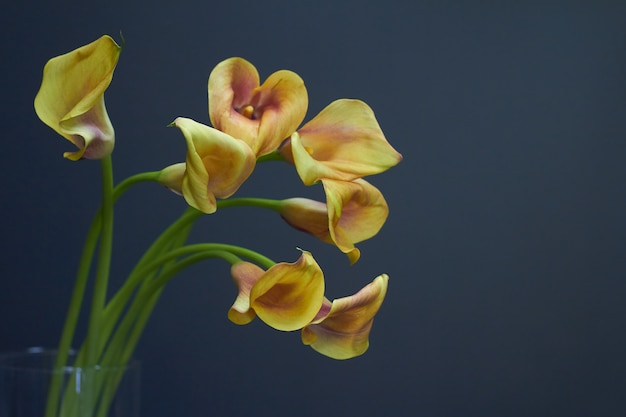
[
  {"x": 341, "y": 329},
  {"x": 216, "y": 165},
  {"x": 71, "y": 97},
  {"x": 261, "y": 115},
  {"x": 354, "y": 211},
  {"x": 286, "y": 297},
  {"x": 343, "y": 142}
]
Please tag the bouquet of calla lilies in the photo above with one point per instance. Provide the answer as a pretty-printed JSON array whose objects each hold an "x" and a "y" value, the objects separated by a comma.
[{"x": 252, "y": 122}]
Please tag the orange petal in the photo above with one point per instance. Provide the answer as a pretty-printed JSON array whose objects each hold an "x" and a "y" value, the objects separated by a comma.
[
  {"x": 245, "y": 275},
  {"x": 261, "y": 115},
  {"x": 356, "y": 212},
  {"x": 343, "y": 142},
  {"x": 343, "y": 332}
]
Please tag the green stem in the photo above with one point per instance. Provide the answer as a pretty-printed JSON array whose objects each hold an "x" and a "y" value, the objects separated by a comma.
[
  {"x": 123, "y": 186},
  {"x": 117, "y": 304},
  {"x": 82, "y": 275},
  {"x": 265, "y": 203},
  {"x": 104, "y": 263},
  {"x": 273, "y": 156}
]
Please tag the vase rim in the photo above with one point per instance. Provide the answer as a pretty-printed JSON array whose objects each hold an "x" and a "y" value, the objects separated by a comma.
[{"x": 10, "y": 360}]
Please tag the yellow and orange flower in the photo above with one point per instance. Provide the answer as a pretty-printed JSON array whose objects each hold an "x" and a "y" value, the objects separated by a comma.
[
  {"x": 343, "y": 142},
  {"x": 262, "y": 115},
  {"x": 341, "y": 328},
  {"x": 71, "y": 97},
  {"x": 216, "y": 165},
  {"x": 286, "y": 297},
  {"x": 354, "y": 211}
]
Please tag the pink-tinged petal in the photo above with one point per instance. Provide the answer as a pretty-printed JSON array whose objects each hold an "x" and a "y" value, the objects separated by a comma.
[
  {"x": 356, "y": 212},
  {"x": 217, "y": 164},
  {"x": 308, "y": 216},
  {"x": 343, "y": 332},
  {"x": 245, "y": 275},
  {"x": 288, "y": 295},
  {"x": 71, "y": 97},
  {"x": 230, "y": 88},
  {"x": 261, "y": 115},
  {"x": 343, "y": 142}
]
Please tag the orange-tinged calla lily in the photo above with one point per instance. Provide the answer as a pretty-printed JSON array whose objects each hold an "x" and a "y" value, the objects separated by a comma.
[
  {"x": 216, "y": 165},
  {"x": 245, "y": 275},
  {"x": 261, "y": 115},
  {"x": 354, "y": 211},
  {"x": 286, "y": 297},
  {"x": 341, "y": 329},
  {"x": 71, "y": 97},
  {"x": 343, "y": 142}
]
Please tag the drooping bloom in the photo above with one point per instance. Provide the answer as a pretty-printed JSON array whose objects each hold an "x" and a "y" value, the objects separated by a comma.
[
  {"x": 216, "y": 165},
  {"x": 343, "y": 142},
  {"x": 354, "y": 211},
  {"x": 341, "y": 328},
  {"x": 261, "y": 115},
  {"x": 71, "y": 97},
  {"x": 286, "y": 297}
]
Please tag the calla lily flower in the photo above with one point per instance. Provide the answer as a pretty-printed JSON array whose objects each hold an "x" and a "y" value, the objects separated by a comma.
[
  {"x": 354, "y": 211},
  {"x": 216, "y": 166},
  {"x": 261, "y": 115},
  {"x": 343, "y": 142},
  {"x": 286, "y": 297},
  {"x": 172, "y": 177},
  {"x": 341, "y": 328},
  {"x": 71, "y": 98}
]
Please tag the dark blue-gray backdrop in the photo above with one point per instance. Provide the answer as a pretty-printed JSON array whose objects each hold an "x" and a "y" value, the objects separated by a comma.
[{"x": 506, "y": 241}]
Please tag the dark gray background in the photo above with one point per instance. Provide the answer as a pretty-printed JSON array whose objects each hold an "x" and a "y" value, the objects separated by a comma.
[{"x": 506, "y": 240}]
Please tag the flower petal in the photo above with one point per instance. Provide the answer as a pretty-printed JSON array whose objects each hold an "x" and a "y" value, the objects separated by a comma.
[
  {"x": 343, "y": 332},
  {"x": 308, "y": 216},
  {"x": 262, "y": 116},
  {"x": 172, "y": 177},
  {"x": 217, "y": 164},
  {"x": 343, "y": 142},
  {"x": 356, "y": 212},
  {"x": 245, "y": 275},
  {"x": 288, "y": 295},
  {"x": 71, "y": 97},
  {"x": 230, "y": 88}
]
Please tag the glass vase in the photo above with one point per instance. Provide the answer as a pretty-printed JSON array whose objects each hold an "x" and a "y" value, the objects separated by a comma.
[{"x": 26, "y": 379}]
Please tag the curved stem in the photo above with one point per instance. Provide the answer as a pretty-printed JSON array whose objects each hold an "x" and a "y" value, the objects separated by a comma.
[
  {"x": 123, "y": 186},
  {"x": 265, "y": 203}
]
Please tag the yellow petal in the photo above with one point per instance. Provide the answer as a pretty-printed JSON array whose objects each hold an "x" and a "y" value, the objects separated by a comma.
[
  {"x": 356, "y": 212},
  {"x": 343, "y": 142},
  {"x": 343, "y": 333},
  {"x": 217, "y": 164},
  {"x": 288, "y": 295},
  {"x": 172, "y": 177},
  {"x": 261, "y": 115},
  {"x": 71, "y": 97}
]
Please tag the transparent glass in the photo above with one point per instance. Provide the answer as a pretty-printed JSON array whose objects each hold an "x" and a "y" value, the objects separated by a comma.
[{"x": 26, "y": 378}]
